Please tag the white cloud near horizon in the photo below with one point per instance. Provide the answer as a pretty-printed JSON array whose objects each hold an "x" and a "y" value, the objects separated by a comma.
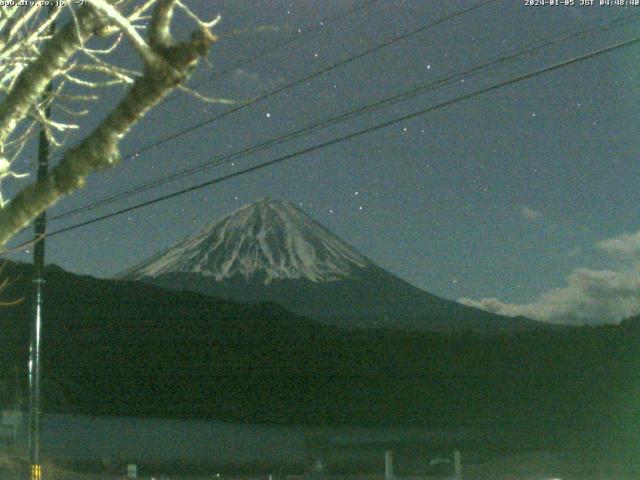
[
  {"x": 626, "y": 246},
  {"x": 529, "y": 213},
  {"x": 589, "y": 296}
]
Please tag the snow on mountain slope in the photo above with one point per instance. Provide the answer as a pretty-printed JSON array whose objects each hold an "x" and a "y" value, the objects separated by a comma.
[
  {"x": 264, "y": 241},
  {"x": 270, "y": 251}
]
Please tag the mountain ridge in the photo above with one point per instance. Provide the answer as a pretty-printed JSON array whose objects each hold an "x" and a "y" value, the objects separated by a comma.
[
  {"x": 129, "y": 349},
  {"x": 271, "y": 251},
  {"x": 268, "y": 239}
]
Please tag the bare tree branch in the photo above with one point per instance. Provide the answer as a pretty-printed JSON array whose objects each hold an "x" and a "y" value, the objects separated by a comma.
[
  {"x": 34, "y": 79},
  {"x": 139, "y": 43},
  {"x": 6, "y": 282},
  {"x": 160, "y": 28},
  {"x": 169, "y": 67}
]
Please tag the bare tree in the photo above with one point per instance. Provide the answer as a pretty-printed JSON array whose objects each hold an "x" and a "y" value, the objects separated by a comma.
[{"x": 32, "y": 57}]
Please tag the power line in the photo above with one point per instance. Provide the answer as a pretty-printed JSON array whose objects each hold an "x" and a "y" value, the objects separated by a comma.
[
  {"x": 384, "y": 102},
  {"x": 350, "y": 136},
  {"x": 306, "y": 78},
  {"x": 292, "y": 38}
]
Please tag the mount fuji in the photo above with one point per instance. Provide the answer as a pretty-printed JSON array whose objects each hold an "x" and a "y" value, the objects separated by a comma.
[{"x": 271, "y": 251}]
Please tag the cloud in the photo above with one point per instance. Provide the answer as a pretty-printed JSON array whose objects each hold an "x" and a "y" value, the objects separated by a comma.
[
  {"x": 589, "y": 296},
  {"x": 529, "y": 213},
  {"x": 575, "y": 251},
  {"x": 250, "y": 83},
  {"x": 246, "y": 81},
  {"x": 241, "y": 73},
  {"x": 626, "y": 246}
]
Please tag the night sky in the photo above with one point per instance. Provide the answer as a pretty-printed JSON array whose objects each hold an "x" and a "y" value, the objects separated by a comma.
[{"x": 521, "y": 194}]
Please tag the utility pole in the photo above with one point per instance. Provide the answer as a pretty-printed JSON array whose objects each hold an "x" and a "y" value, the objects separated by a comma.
[
  {"x": 40, "y": 226},
  {"x": 388, "y": 465},
  {"x": 36, "y": 325}
]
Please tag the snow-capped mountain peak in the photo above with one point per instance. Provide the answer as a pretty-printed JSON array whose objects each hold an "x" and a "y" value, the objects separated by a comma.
[{"x": 265, "y": 241}]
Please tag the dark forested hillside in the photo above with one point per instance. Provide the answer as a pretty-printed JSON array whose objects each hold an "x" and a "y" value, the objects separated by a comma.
[{"x": 113, "y": 347}]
